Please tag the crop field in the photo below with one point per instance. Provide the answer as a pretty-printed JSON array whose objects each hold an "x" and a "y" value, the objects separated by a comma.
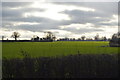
[
  {"x": 60, "y": 48},
  {"x": 79, "y": 59}
]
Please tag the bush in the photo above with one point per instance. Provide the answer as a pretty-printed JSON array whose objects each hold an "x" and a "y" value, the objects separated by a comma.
[{"x": 72, "y": 66}]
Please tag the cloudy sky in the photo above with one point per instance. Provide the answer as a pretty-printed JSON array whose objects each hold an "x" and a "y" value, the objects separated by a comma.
[{"x": 64, "y": 19}]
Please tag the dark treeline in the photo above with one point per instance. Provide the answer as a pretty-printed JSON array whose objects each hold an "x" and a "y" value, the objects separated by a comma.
[
  {"x": 49, "y": 37},
  {"x": 44, "y": 40},
  {"x": 25, "y": 41},
  {"x": 72, "y": 66}
]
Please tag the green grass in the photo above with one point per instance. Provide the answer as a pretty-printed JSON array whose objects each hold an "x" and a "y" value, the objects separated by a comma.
[
  {"x": 62, "y": 48},
  {"x": 0, "y": 50}
]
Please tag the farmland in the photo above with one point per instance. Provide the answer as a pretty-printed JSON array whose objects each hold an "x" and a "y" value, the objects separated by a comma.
[{"x": 52, "y": 49}]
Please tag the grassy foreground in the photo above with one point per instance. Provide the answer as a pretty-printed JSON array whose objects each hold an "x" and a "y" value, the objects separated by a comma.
[
  {"x": 83, "y": 59},
  {"x": 72, "y": 66},
  {"x": 62, "y": 48}
]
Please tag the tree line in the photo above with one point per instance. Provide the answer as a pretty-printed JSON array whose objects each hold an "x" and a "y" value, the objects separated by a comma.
[{"x": 50, "y": 36}]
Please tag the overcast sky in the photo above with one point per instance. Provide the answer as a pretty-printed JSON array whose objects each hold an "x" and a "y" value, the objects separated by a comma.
[{"x": 64, "y": 19}]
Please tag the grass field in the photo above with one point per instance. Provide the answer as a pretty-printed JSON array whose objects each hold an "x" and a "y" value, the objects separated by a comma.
[
  {"x": 62, "y": 48},
  {"x": 43, "y": 63}
]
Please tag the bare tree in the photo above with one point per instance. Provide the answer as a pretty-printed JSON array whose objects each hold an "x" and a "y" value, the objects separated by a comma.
[
  {"x": 15, "y": 35},
  {"x": 97, "y": 37},
  {"x": 50, "y": 36},
  {"x": 35, "y": 38},
  {"x": 3, "y": 37},
  {"x": 79, "y": 38},
  {"x": 104, "y": 38},
  {"x": 54, "y": 38},
  {"x": 83, "y": 37}
]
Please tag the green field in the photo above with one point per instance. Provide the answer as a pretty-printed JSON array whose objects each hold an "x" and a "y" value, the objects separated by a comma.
[{"x": 61, "y": 48}]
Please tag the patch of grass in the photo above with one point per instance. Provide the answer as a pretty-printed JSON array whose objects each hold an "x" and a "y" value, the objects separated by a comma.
[{"x": 61, "y": 48}]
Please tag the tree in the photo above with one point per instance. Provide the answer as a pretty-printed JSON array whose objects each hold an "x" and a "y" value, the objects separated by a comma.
[
  {"x": 104, "y": 38},
  {"x": 54, "y": 38},
  {"x": 50, "y": 36},
  {"x": 3, "y": 37},
  {"x": 115, "y": 36},
  {"x": 79, "y": 38},
  {"x": 35, "y": 38},
  {"x": 115, "y": 41},
  {"x": 15, "y": 35},
  {"x": 83, "y": 38},
  {"x": 97, "y": 37}
]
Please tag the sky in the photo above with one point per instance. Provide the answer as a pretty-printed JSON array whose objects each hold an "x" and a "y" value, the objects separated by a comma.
[{"x": 64, "y": 19}]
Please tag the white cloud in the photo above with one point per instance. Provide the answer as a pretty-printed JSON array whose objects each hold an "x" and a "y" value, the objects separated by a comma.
[
  {"x": 97, "y": 17},
  {"x": 24, "y": 34},
  {"x": 48, "y": 14},
  {"x": 24, "y": 23},
  {"x": 108, "y": 30},
  {"x": 114, "y": 19},
  {"x": 53, "y": 11},
  {"x": 60, "y": 33},
  {"x": 58, "y": 8},
  {"x": 78, "y": 26},
  {"x": 15, "y": 8}
]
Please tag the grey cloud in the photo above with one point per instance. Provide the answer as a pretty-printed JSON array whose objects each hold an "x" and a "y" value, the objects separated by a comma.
[
  {"x": 103, "y": 10},
  {"x": 11, "y": 13},
  {"x": 45, "y": 23},
  {"x": 15, "y": 4},
  {"x": 29, "y": 19},
  {"x": 104, "y": 7},
  {"x": 108, "y": 24},
  {"x": 7, "y": 12},
  {"x": 62, "y": 0},
  {"x": 83, "y": 30}
]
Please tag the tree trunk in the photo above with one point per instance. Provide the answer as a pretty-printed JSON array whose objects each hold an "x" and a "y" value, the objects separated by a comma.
[{"x": 15, "y": 38}]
